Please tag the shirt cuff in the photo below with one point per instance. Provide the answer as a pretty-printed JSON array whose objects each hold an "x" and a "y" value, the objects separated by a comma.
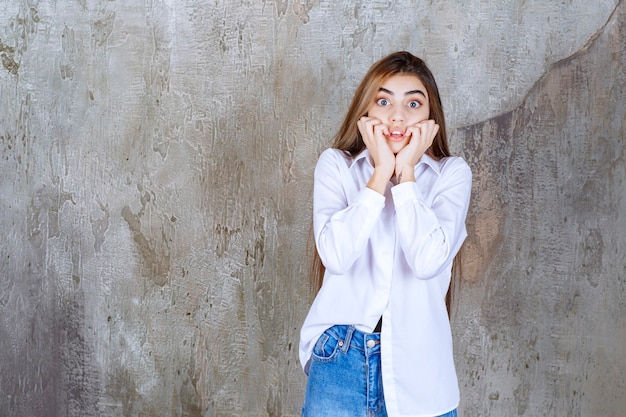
[
  {"x": 406, "y": 192},
  {"x": 371, "y": 198}
]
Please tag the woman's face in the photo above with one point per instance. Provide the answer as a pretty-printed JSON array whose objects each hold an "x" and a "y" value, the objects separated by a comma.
[{"x": 401, "y": 101}]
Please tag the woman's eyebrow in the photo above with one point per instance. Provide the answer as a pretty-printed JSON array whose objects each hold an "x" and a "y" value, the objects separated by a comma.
[{"x": 408, "y": 93}]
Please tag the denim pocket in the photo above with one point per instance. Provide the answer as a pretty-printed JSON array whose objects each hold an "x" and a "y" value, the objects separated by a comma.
[{"x": 326, "y": 348}]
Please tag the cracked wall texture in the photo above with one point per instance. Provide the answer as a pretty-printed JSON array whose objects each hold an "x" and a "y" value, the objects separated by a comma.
[{"x": 156, "y": 163}]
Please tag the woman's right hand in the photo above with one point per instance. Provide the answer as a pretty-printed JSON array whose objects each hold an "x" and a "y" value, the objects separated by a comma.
[{"x": 373, "y": 132}]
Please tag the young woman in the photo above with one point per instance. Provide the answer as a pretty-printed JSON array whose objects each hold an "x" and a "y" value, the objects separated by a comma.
[{"x": 389, "y": 217}]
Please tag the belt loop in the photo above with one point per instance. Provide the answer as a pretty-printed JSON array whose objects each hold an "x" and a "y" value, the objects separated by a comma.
[{"x": 348, "y": 339}]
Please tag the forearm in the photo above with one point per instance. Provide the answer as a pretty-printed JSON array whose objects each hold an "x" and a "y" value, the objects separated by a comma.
[
  {"x": 341, "y": 234},
  {"x": 379, "y": 180},
  {"x": 431, "y": 224},
  {"x": 407, "y": 174}
]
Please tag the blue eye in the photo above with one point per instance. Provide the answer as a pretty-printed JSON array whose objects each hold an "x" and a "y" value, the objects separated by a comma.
[
  {"x": 414, "y": 104},
  {"x": 382, "y": 102}
]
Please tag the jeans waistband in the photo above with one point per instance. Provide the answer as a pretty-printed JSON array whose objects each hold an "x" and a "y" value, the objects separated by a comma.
[{"x": 351, "y": 337}]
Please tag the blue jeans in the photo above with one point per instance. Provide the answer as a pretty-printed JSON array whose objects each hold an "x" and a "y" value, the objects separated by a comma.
[{"x": 345, "y": 378}]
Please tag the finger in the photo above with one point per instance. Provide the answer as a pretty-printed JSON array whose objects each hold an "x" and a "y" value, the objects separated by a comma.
[
  {"x": 431, "y": 128},
  {"x": 425, "y": 131},
  {"x": 369, "y": 120},
  {"x": 366, "y": 124},
  {"x": 381, "y": 130}
]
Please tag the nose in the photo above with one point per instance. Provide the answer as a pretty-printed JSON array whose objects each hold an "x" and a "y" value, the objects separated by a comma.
[{"x": 397, "y": 115}]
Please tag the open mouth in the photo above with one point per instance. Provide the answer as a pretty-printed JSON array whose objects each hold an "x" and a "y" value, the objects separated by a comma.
[{"x": 396, "y": 135}]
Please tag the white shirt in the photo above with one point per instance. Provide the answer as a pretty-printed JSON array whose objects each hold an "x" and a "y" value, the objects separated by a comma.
[{"x": 392, "y": 255}]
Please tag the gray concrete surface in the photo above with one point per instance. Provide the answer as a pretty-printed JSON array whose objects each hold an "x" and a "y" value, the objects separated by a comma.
[{"x": 156, "y": 163}]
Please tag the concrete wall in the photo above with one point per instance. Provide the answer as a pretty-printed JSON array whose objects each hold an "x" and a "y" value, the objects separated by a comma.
[{"x": 156, "y": 164}]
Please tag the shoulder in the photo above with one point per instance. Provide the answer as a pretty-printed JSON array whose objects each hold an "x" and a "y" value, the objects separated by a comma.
[
  {"x": 336, "y": 154},
  {"x": 454, "y": 171},
  {"x": 332, "y": 157},
  {"x": 454, "y": 164}
]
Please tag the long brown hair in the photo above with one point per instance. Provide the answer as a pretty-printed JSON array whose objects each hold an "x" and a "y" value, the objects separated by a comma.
[{"x": 349, "y": 139}]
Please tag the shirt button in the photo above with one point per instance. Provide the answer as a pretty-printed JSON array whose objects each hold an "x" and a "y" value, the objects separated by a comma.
[{"x": 371, "y": 343}]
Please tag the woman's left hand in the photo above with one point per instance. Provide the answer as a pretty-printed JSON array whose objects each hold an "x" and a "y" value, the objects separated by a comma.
[{"x": 422, "y": 136}]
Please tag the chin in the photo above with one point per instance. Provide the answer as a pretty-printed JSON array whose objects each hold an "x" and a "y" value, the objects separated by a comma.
[{"x": 396, "y": 147}]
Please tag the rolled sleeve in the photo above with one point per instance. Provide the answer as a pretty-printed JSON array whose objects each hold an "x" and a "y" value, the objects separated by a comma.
[
  {"x": 431, "y": 227},
  {"x": 342, "y": 226}
]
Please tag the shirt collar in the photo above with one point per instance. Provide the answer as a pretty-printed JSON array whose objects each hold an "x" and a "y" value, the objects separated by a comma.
[
  {"x": 426, "y": 159},
  {"x": 364, "y": 154}
]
